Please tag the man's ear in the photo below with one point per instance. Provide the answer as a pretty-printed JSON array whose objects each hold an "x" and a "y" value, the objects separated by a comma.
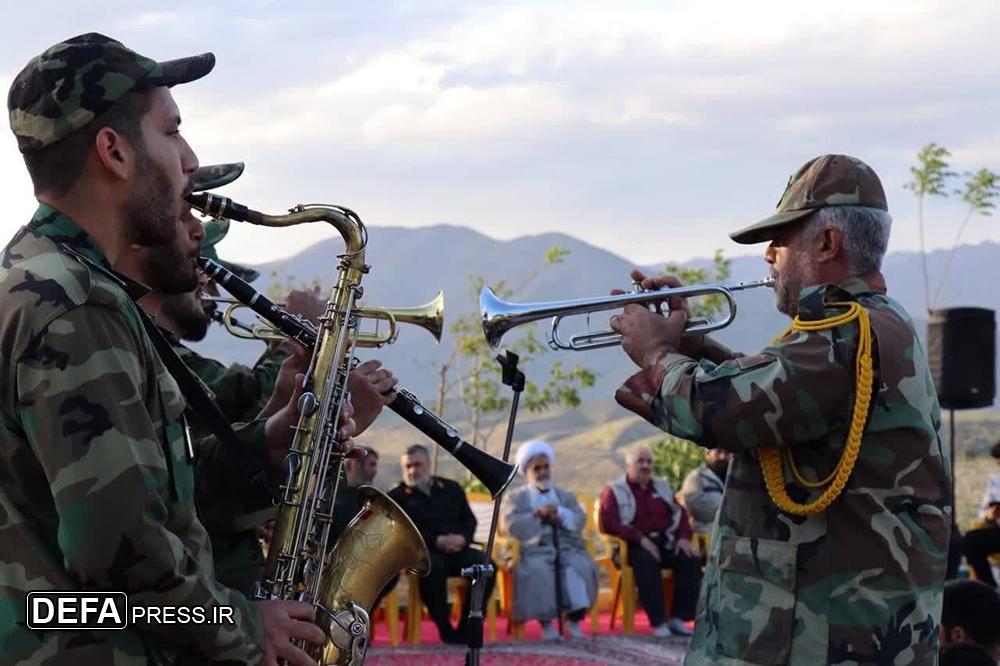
[
  {"x": 958, "y": 635},
  {"x": 828, "y": 244},
  {"x": 114, "y": 152}
]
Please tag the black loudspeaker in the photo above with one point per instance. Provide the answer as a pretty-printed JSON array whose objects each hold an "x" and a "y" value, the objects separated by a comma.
[{"x": 961, "y": 352}]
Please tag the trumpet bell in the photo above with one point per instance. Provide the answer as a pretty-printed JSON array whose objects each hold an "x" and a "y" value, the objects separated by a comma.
[{"x": 429, "y": 316}]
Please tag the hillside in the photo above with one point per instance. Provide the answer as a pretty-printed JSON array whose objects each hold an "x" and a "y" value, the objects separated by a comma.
[{"x": 409, "y": 266}]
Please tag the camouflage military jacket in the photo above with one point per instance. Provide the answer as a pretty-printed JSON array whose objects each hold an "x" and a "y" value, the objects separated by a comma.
[
  {"x": 97, "y": 490},
  {"x": 240, "y": 392},
  {"x": 862, "y": 582}
]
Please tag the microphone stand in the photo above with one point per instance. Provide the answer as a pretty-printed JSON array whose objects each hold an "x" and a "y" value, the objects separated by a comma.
[{"x": 479, "y": 574}]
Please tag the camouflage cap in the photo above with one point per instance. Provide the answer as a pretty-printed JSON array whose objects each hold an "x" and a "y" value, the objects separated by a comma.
[
  {"x": 215, "y": 231},
  {"x": 827, "y": 180},
  {"x": 69, "y": 84}
]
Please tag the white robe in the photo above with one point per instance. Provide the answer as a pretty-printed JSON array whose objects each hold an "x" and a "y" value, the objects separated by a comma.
[{"x": 534, "y": 587}]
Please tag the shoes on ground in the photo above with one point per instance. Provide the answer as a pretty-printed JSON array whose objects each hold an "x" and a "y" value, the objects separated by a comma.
[
  {"x": 574, "y": 629},
  {"x": 662, "y": 631},
  {"x": 678, "y": 627},
  {"x": 549, "y": 632}
]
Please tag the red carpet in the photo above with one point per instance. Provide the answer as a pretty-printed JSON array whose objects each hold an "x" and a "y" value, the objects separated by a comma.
[{"x": 604, "y": 648}]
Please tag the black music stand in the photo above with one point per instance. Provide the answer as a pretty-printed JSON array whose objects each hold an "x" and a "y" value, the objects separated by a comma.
[{"x": 479, "y": 574}]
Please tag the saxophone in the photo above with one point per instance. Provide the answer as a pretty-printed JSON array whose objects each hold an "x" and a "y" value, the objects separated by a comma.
[{"x": 343, "y": 582}]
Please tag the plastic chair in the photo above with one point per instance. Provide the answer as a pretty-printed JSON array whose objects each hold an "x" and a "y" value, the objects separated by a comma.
[
  {"x": 482, "y": 506},
  {"x": 625, "y": 595}
]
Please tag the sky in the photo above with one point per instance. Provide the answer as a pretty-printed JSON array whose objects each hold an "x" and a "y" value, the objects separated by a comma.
[{"x": 650, "y": 129}]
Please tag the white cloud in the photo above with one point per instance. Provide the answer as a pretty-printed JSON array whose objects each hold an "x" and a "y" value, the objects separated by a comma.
[{"x": 580, "y": 117}]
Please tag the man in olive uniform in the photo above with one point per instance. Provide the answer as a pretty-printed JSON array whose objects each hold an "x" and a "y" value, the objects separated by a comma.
[
  {"x": 850, "y": 569},
  {"x": 241, "y": 393},
  {"x": 97, "y": 478}
]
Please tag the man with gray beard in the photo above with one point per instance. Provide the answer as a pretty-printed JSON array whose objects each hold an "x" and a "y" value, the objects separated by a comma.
[
  {"x": 439, "y": 509},
  {"x": 832, "y": 539}
]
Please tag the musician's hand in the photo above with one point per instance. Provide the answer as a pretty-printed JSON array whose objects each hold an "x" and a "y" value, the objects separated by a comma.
[
  {"x": 284, "y": 385},
  {"x": 650, "y": 547},
  {"x": 690, "y": 345},
  {"x": 371, "y": 389},
  {"x": 284, "y": 621},
  {"x": 307, "y": 304},
  {"x": 278, "y": 431},
  {"x": 687, "y": 548},
  {"x": 646, "y": 336},
  {"x": 265, "y": 532}
]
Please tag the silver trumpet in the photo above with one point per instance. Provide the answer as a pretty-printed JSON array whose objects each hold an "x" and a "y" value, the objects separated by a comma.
[{"x": 499, "y": 316}]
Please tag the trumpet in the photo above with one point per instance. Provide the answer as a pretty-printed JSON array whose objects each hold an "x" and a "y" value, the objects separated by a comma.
[
  {"x": 429, "y": 316},
  {"x": 492, "y": 472},
  {"x": 499, "y": 316}
]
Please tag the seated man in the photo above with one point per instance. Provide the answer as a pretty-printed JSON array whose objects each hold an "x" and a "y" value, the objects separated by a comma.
[
  {"x": 441, "y": 512},
  {"x": 359, "y": 471},
  {"x": 703, "y": 488},
  {"x": 983, "y": 539},
  {"x": 543, "y": 517},
  {"x": 640, "y": 509},
  {"x": 971, "y": 615}
]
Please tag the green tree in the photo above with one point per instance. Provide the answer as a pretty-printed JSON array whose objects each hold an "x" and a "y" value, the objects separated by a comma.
[
  {"x": 674, "y": 458},
  {"x": 718, "y": 273},
  {"x": 472, "y": 374},
  {"x": 930, "y": 176},
  {"x": 979, "y": 194}
]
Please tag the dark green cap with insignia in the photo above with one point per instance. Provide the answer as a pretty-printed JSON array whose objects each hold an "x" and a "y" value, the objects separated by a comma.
[
  {"x": 827, "y": 180},
  {"x": 71, "y": 83}
]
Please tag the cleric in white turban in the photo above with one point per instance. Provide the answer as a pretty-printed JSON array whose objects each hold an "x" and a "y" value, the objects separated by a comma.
[{"x": 532, "y": 514}]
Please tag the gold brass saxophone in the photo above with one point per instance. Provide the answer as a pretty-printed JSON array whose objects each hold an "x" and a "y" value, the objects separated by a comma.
[
  {"x": 377, "y": 544},
  {"x": 299, "y": 564}
]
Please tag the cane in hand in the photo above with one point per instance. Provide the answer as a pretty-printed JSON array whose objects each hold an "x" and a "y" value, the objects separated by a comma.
[{"x": 558, "y": 576}]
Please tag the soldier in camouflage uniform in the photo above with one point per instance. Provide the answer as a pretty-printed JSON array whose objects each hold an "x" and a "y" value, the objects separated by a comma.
[
  {"x": 861, "y": 581},
  {"x": 241, "y": 393},
  {"x": 97, "y": 479}
]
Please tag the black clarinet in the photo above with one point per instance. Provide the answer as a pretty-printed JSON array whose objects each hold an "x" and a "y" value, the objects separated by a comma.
[{"x": 494, "y": 473}]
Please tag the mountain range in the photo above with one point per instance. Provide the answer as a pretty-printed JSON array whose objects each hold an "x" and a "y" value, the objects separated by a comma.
[{"x": 409, "y": 266}]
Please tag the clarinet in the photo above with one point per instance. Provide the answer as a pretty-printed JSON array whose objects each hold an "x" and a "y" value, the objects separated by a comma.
[{"x": 494, "y": 473}]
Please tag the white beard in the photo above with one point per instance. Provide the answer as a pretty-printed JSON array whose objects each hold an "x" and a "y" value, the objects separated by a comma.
[{"x": 543, "y": 485}]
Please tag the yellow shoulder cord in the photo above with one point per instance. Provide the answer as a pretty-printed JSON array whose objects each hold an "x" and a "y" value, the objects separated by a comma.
[{"x": 770, "y": 457}]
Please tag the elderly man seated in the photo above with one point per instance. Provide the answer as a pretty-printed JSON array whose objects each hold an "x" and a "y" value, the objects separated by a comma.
[
  {"x": 543, "y": 518},
  {"x": 641, "y": 509}
]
